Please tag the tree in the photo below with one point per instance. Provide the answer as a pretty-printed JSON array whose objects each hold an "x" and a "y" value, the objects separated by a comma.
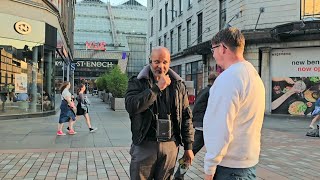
[{"x": 116, "y": 82}]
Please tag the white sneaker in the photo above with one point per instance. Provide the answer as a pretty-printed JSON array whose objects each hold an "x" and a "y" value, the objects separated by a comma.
[{"x": 93, "y": 129}]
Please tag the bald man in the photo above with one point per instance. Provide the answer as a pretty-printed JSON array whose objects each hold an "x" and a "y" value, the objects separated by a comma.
[{"x": 161, "y": 119}]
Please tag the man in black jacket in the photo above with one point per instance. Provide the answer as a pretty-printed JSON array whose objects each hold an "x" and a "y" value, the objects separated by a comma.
[
  {"x": 198, "y": 112},
  {"x": 161, "y": 119}
]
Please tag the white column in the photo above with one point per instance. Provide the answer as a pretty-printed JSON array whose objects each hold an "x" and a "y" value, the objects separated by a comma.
[
  {"x": 34, "y": 96},
  {"x": 266, "y": 76}
]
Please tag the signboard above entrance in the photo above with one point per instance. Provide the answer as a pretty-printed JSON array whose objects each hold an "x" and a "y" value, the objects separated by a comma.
[{"x": 100, "y": 46}]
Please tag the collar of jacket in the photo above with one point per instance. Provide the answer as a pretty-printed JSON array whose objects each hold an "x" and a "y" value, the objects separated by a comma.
[{"x": 144, "y": 74}]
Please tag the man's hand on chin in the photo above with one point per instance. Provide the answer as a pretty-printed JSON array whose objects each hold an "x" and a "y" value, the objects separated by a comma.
[{"x": 208, "y": 177}]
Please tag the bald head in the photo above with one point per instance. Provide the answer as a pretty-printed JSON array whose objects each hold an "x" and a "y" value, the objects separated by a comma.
[
  {"x": 160, "y": 51},
  {"x": 160, "y": 61}
]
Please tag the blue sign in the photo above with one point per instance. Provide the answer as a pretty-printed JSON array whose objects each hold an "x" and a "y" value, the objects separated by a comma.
[{"x": 73, "y": 66}]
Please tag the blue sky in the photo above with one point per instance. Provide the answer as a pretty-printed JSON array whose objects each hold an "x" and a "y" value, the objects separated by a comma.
[{"x": 116, "y": 2}]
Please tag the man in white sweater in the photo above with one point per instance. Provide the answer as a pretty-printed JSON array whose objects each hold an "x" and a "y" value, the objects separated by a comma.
[{"x": 234, "y": 115}]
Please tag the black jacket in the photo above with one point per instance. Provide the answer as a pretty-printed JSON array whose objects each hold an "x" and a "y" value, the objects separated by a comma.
[
  {"x": 139, "y": 100},
  {"x": 200, "y": 107}
]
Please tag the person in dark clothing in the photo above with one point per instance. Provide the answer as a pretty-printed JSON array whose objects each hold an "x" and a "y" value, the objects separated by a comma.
[
  {"x": 161, "y": 119},
  {"x": 198, "y": 112}
]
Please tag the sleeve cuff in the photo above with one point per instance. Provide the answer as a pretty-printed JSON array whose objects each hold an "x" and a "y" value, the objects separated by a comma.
[
  {"x": 187, "y": 147},
  {"x": 210, "y": 170},
  {"x": 155, "y": 89}
]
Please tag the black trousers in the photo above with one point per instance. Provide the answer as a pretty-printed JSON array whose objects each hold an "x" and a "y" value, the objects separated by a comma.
[{"x": 153, "y": 160}]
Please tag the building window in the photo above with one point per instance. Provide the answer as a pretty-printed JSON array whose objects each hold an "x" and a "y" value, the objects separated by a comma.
[
  {"x": 166, "y": 15},
  {"x": 223, "y": 13},
  {"x": 159, "y": 41},
  {"x": 165, "y": 40},
  {"x": 160, "y": 18},
  {"x": 189, "y": 32},
  {"x": 200, "y": 28},
  {"x": 310, "y": 8},
  {"x": 180, "y": 7},
  {"x": 151, "y": 26},
  {"x": 194, "y": 73},
  {"x": 179, "y": 38},
  {"x": 177, "y": 69},
  {"x": 172, "y": 10},
  {"x": 189, "y": 3},
  {"x": 151, "y": 4},
  {"x": 150, "y": 50},
  {"x": 171, "y": 41}
]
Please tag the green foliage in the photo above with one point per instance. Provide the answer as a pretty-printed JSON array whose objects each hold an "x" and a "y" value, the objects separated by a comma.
[
  {"x": 115, "y": 82},
  {"x": 99, "y": 83}
]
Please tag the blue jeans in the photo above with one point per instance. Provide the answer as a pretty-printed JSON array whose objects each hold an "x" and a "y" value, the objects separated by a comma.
[{"x": 225, "y": 173}]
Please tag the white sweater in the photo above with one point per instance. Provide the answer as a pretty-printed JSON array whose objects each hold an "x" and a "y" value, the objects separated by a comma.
[{"x": 233, "y": 119}]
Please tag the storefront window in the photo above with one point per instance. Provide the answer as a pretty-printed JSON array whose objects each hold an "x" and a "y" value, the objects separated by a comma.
[
  {"x": 26, "y": 77},
  {"x": 194, "y": 73}
]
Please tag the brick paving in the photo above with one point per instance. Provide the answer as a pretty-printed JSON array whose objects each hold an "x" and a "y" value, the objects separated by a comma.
[
  {"x": 283, "y": 156},
  {"x": 286, "y": 152}
]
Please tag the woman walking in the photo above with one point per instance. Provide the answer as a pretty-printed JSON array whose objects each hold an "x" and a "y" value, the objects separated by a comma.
[
  {"x": 67, "y": 107},
  {"x": 82, "y": 107}
]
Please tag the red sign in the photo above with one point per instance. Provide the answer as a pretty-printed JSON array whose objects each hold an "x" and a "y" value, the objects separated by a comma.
[{"x": 101, "y": 46}]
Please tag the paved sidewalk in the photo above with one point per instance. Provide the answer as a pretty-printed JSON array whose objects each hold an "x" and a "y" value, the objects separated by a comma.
[{"x": 29, "y": 149}]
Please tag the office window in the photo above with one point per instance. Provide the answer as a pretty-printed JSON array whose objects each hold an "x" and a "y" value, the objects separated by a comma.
[
  {"x": 172, "y": 10},
  {"x": 310, "y": 8},
  {"x": 223, "y": 14},
  {"x": 179, "y": 38},
  {"x": 189, "y": 3},
  {"x": 150, "y": 50},
  {"x": 159, "y": 41},
  {"x": 188, "y": 33},
  {"x": 160, "y": 18},
  {"x": 200, "y": 28},
  {"x": 165, "y": 40},
  {"x": 166, "y": 15},
  {"x": 171, "y": 41},
  {"x": 180, "y": 7},
  {"x": 151, "y": 26},
  {"x": 151, "y": 4}
]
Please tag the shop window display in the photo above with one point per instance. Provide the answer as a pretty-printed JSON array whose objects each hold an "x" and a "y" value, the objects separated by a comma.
[{"x": 26, "y": 83}]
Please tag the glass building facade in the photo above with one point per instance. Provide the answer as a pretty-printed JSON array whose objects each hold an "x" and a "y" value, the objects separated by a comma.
[{"x": 106, "y": 35}]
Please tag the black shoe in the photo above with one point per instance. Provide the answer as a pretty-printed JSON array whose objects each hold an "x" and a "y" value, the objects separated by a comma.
[{"x": 93, "y": 129}]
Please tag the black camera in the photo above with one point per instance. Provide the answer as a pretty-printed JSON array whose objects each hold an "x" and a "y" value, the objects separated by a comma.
[{"x": 164, "y": 129}]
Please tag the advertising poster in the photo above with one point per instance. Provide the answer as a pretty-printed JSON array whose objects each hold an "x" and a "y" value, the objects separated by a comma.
[
  {"x": 21, "y": 83},
  {"x": 295, "y": 77}
]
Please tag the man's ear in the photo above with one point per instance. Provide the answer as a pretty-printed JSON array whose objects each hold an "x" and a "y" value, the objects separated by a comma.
[{"x": 150, "y": 61}]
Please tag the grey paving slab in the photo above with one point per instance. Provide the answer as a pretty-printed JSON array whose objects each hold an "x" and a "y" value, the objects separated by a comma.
[{"x": 30, "y": 149}]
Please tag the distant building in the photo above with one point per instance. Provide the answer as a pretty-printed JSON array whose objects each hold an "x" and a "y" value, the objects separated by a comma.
[{"x": 106, "y": 35}]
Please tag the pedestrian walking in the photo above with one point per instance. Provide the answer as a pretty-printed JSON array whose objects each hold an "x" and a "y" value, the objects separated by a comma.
[
  {"x": 315, "y": 113},
  {"x": 83, "y": 107},
  {"x": 197, "y": 120},
  {"x": 67, "y": 110},
  {"x": 234, "y": 115},
  {"x": 161, "y": 119}
]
